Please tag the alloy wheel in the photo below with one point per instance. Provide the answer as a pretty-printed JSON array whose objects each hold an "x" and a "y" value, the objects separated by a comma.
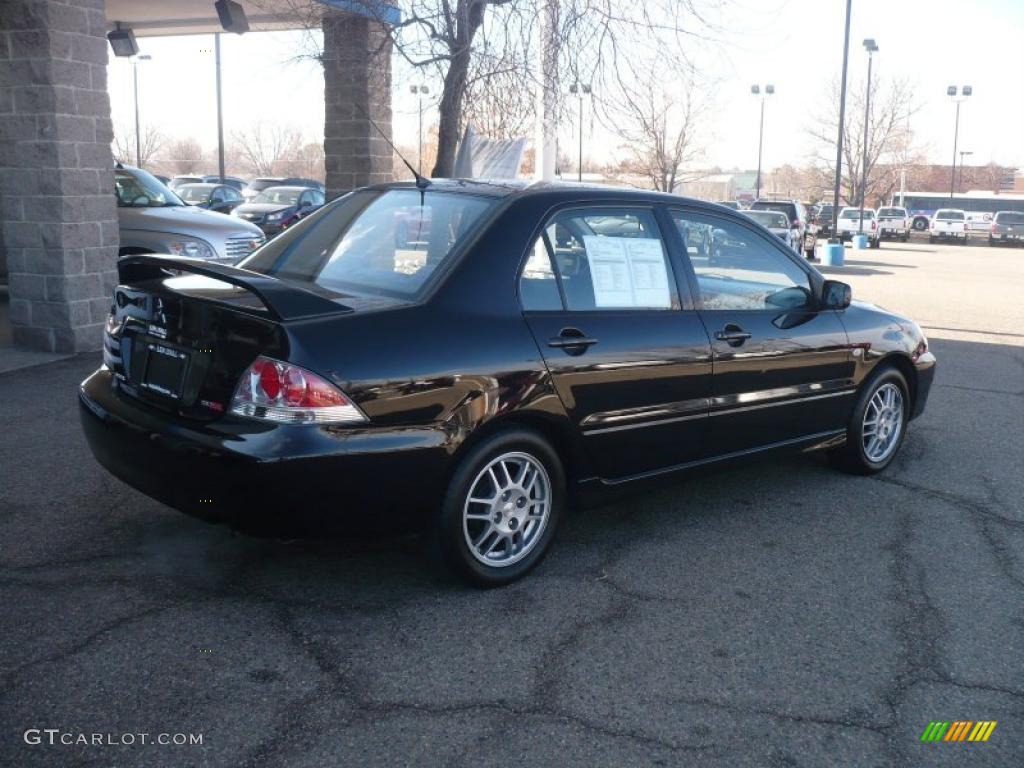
[
  {"x": 883, "y": 422},
  {"x": 507, "y": 509}
]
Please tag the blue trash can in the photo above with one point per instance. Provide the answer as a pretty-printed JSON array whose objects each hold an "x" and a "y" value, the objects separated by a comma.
[
  {"x": 832, "y": 255},
  {"x": 860, "y": 242}
]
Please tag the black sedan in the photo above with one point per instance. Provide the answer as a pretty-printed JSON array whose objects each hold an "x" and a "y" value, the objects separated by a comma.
[
  {"x": 213, "y": 197},
  {"x": 277, "y": 208},
  {"x": 539, "y": 343}
]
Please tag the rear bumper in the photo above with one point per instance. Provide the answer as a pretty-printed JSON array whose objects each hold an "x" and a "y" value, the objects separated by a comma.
[
  {"x": 276, "y": 479},
  {"x": 925, "y": 366}
]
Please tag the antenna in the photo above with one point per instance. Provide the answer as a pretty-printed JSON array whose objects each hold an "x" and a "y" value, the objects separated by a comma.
[{"x": 422, "y": 182}]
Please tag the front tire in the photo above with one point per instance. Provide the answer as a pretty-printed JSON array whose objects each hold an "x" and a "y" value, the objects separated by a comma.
[
  {"x": 877, "y": 426},
  {"x": 501, "y": 509}
]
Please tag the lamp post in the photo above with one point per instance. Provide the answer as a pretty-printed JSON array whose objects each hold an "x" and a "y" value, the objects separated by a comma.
[
  {"x": 421, "y": 91},
  {"x": 581, "y": 90},
  {"x": 842, "y": 117},
  {"x": 960, "y": 181},
  {"x": 135, "y": 83},
  {"x": 871, "y": 47},
  {"x": 959, "y": 98},
  {"x": 768, "y": 91}
]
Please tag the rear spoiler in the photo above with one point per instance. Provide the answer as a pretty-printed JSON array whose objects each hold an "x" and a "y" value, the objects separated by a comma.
[{"x": 283, "y": 301}]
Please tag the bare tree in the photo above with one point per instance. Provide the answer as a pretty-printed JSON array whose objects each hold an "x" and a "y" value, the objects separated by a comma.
[
  {"x": 307, "y": 161},
  {"x": 124, "y": 145},
  {"x": 890, "y": 143},
  {"x": 482, "y": 48},
  {"x": 264, "y": 149},
  {"x": 184, "y": 155},
  {"x": 659, "y": 124}
]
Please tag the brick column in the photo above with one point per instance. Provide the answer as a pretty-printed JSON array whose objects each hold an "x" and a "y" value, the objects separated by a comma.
[
  {"x": 57, "y": 201},
  {"x": 357, "y": 71}
]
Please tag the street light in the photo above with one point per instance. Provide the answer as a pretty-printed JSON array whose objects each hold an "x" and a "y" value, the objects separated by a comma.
[
  {"x": 960, "y": 182},
  {"x": 422, "y": 91},
  {"x": 581, "y": 90},
  {"x": 960, "y": 97},
  {"x": 842, "y": 117},
  {"x": 135, "y": 81},
  {"x": 871, "y": 47},
  {"x": 768, "y": 91}
]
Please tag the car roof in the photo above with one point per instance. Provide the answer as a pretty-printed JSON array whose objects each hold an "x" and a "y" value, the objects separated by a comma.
[
  {"x": 287, "y": 187},
  {"x": 203, "y": 185},
  {"x": 553, "y": 191}
]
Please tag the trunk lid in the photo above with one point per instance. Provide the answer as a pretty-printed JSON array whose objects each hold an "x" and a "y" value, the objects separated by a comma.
[{"x": 181, "y": 342}]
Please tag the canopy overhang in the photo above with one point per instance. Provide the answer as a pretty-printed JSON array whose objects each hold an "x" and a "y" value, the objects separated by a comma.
[{"x": 159, "y": 18}]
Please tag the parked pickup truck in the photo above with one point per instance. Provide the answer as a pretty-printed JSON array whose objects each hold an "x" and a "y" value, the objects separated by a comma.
[
  {"x": 849, "y": 225},
  {"x": 948, "y": 224},
  {"x": 894, "y": 222}
]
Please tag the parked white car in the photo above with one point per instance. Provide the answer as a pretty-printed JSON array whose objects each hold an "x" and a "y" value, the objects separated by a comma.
[
  {"x": 948, "y": 224},
  {"x": 850, "y": 224},
  {"x": 894, "y": 222}
]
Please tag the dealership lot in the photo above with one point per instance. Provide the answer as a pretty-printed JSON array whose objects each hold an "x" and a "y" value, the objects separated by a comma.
[{"x": 775, "y": 614}]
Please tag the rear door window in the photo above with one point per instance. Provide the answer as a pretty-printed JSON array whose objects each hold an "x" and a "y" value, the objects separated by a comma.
[{"x": 611, "y": 259}]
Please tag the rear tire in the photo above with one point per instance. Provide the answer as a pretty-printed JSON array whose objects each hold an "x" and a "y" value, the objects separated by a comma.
[
  {"x": 501, "y": 509},
  {"x": 881, "y": 413}
]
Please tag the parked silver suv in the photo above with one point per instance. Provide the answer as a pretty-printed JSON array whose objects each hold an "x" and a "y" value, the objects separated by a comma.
[{"x": 155, "y": 220}]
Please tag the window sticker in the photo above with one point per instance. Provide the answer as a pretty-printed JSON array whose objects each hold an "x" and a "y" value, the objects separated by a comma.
[{"x": 628, "y": 272}]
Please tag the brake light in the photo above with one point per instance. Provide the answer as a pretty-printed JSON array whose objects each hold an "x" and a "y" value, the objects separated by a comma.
[
  {"x": 874, "y": 224},
  {"x": 281, "y": 392}
]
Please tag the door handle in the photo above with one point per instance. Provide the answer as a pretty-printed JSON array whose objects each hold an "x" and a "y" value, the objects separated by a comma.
[
  {"x": 571, "y": 339},
  {"x": 732, "y": 335}
]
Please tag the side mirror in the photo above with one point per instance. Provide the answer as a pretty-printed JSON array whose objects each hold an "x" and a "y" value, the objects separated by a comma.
[
  {"x": 836, "y": 294},
  {"x": 306, "y": 204}
]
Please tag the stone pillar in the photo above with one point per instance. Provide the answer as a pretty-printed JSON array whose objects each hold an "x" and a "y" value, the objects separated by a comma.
[
  {"x": 357, "y": 82},
  {"x": 57, "y": 202}
]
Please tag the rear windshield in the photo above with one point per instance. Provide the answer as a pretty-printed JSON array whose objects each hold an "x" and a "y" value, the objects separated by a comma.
[
  {"x": 892, "y": 212},
  {"x": 949, "y": 215},
  {"x": 383, "y": 242},
  {"x": 769, "y": 219},
  {"x": 279, "y": 195},
  {"x": 1004, "y": 217},
  {"x": 258, "y": 185},
  {"x": 787, "y": 208},
  {"x": 854, "y": 213},
  {"x": 195, "y": 193}
]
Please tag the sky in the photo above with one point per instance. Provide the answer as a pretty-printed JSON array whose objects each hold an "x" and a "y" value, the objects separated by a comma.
[{"x": 796, "y": 45}]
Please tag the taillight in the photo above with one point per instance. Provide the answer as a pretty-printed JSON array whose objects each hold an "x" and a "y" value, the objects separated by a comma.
[
  {"x": 795, "y": 224},
  {"x": 874, "y": 224},
  {"x": 274, "y": 391}
]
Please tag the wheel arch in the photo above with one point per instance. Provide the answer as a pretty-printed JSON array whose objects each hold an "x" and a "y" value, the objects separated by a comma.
[
  {"x": 552, "y": 429},
  {"x": 903, "y": 364}
]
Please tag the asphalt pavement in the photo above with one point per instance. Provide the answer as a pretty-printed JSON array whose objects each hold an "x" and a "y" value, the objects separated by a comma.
[{"x": 779, "y": 614}]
